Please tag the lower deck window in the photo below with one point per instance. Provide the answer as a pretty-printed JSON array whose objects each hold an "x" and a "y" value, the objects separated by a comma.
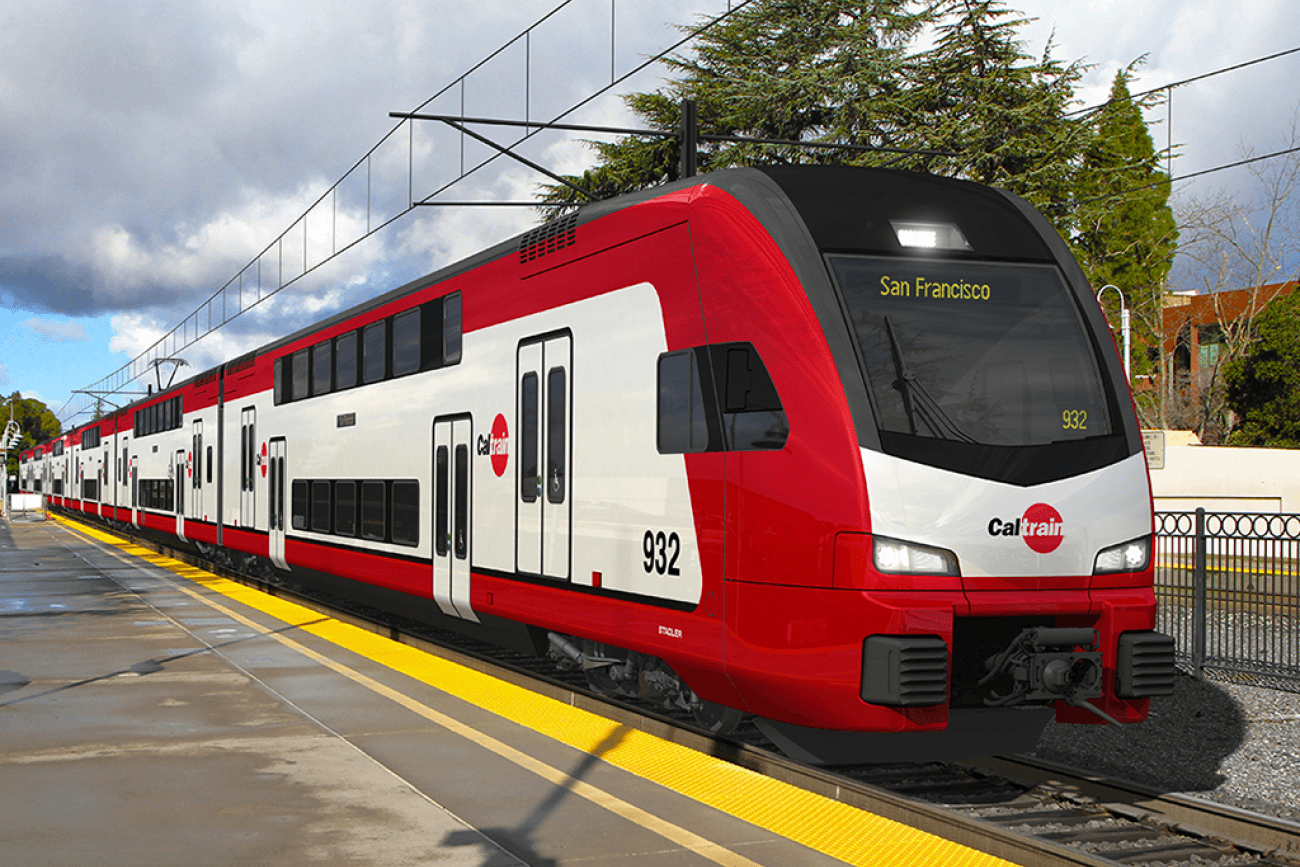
[
  {"x": 406, "y": 513},
  {"x": 381, "y": 510},
  {"x": 321, "y": 507},
  {"x": 374, "y": 511},
  {"x": 298, "y": 507},
  {"x": 345, "y": 508}
]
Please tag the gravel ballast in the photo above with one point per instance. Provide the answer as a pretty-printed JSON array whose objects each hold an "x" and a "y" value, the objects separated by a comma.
[{"x": 1226, "y": 742}]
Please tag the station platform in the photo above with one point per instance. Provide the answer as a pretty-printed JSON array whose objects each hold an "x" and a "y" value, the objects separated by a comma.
[{"x": 152, "y": 713}]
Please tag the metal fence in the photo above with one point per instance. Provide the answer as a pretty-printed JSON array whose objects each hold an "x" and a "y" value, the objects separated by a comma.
[{"x": 1228, "y": 585}]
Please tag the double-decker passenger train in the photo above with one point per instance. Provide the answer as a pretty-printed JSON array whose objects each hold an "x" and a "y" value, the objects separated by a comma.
[{"x": 849, "y": 450}]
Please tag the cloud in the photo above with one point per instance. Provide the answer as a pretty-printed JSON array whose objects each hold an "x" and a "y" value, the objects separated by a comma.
[{"x": 57, "y": 332}]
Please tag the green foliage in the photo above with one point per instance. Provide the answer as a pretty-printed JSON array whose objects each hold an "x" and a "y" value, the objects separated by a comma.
[
  {"x": 1264, "y": 382},
  {"x": 1125, "y": 234},
  {"x": 34, "y": 419},
  {"x": 1002, "y": 112},
  {"x": 850, "y": 73},
  {"x": 814, "y": 70}
]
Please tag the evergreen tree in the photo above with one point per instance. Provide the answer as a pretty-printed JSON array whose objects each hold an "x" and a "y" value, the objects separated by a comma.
[
  {"x": 838, "y": 72},
  {"x": 828, "y": 71},
  {"x": 1264, "y": 383},
  {"x": 977, "y": 94},
  {"x": 1125, "y": 230}
]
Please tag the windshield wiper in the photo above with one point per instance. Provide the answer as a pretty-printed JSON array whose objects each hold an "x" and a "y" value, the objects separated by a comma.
[{"x": 917, "y": 402}]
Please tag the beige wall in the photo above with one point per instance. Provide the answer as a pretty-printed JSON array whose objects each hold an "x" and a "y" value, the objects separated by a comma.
[{"x": 1224, "y": 479}]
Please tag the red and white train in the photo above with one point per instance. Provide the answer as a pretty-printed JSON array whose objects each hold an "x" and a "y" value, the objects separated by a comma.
[{"x": 849, "y": 450}]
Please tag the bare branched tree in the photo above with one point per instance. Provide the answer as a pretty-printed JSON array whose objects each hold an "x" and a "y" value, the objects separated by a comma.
[{"x": 1238, "y": 252}]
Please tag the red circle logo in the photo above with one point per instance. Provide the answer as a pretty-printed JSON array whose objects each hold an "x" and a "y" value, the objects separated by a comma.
[
  {"x": 264, "y": 461},
  {"x": 1041, "y": 528},
  {"x": 500, "y": 446}
]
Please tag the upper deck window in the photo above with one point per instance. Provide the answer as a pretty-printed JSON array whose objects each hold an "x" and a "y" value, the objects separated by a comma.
[{"x": 374, "y": 351}]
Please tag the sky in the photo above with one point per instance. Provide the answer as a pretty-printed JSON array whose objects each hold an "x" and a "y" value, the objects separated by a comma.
[{"x": 150, "y": 151}]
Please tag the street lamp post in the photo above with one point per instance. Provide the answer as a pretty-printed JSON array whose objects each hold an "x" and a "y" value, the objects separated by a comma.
[{"x": 1123, "y": 326}]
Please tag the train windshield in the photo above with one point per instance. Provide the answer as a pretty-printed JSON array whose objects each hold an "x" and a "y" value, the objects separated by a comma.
[{"x": 981, "y": 354}]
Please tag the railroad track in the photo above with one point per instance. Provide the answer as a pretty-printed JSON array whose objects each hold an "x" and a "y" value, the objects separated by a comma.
[{"x": 1026, "y": 811}]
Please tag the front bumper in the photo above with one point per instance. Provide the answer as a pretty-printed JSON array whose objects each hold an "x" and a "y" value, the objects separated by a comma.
[{"x": 890, "y": 661}]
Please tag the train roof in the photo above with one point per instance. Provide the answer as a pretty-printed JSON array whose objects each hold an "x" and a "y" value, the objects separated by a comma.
[{"x": 806, "y": 208}]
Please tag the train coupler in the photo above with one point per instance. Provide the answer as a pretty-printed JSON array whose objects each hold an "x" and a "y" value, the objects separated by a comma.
[{"x": 1043, "y": 664}]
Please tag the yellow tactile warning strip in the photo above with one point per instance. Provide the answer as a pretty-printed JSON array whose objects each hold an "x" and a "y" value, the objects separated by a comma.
[{"x": 823, "y": 825}]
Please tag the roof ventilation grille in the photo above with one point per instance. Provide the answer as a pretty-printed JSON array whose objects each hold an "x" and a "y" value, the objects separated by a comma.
[{"x": 549, "y": 238}]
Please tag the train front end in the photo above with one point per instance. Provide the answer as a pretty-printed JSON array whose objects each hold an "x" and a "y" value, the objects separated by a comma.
[{"x": 1005, "y": 573}]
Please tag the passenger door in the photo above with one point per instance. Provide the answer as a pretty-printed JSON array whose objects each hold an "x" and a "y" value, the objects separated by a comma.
[
  {"x": 178, "y": 490},
  {"x": 543, "y": 413},
  {"x": 452, "y": 507},
  {"x": 276, "y": 512},
  {"x": 196, "y": 472},
  {"x": 247, "y": 467}
]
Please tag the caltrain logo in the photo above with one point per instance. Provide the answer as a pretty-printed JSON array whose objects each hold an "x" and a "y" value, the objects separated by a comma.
[
  {"x": 497, "y": 446},
  {"x": 1040, "y": 527}
]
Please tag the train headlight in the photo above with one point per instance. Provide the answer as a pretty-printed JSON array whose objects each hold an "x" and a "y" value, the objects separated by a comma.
[
  {"x": 929, "y": 236},
  {"x": 908, "y": 558},
  {"x": 1129, "y": 557}
]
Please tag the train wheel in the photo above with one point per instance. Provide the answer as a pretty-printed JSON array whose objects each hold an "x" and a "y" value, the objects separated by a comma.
[
  {"x": 600, "y": 678},
  {"x": 716, "y": 719}
]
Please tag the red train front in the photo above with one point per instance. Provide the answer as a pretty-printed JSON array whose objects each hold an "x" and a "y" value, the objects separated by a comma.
[{"x": 846, "y": 449}]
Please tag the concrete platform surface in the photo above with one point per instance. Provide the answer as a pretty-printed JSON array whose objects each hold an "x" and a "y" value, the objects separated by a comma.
[{"x": 150, "y": 715}]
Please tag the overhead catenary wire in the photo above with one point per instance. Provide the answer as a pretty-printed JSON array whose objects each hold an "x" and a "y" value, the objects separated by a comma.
[{"x": 119, "y": 378}]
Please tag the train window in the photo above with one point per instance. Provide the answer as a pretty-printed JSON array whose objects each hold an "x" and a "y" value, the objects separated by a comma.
[
  {"x": 279, "y": 381},
  {"x": 406, "y": 342},
  {"x": 682, "y": 423},
  {"x": 528, "y": 478},
  {"x": 461, "y": 544},
  {"x": 441, "y": 472},
  {"x": 374, "y": 351},
  {"x": 345, "y": 508},
  {"x": 209, "y": 465},
  {"x": 301, "y": 376},
  {"x": 451, "y": 329},
  {"x": 321, "y": 507},
  {"x": 374, "y": 517},
  {"x": 973, "y": 354},
  {"x": 245, "y": 460},
  {"x": 556, "y": 422},
  {"x": 322, "y": 368},
  {"x": 274, "y": 503},
  {"x": 299, "y": 505},
  {"x": 345, "y": 360},
  {"x": 752, "y": 416},
  {"x": 406, "y": 513},
  {"x": 431, "y": 335}
]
